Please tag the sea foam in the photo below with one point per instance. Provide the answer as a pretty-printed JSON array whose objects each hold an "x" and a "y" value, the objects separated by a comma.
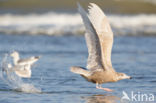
[{"x": 52, "y": 23}]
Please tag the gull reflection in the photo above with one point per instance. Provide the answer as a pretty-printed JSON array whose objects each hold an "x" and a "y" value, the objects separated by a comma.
[{"x": 102, "y": 99}]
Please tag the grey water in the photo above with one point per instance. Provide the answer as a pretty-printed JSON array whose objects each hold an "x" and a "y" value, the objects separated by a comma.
[{"x": 135, "y": 56}]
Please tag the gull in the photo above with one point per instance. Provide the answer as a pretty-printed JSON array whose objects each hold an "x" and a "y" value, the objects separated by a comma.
[
  {"x": 99, "y": 39},
  {"x": 20, "y": 70},
  {"x": 18, "y": 61}
]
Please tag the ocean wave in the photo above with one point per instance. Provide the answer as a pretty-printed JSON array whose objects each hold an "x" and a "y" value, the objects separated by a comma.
[{"x": 71, "y": 24}]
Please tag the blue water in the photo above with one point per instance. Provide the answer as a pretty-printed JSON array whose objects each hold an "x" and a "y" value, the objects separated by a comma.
[{"x": 135, "y": 56}]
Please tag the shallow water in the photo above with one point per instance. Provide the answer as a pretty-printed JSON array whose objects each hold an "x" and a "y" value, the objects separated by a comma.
[{"x": 135, "y": 56}]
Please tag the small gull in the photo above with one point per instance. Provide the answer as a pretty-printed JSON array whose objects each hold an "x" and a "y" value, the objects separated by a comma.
[
  {"x": 22, "y": 67},
  {"x": 99, "y": 39}
]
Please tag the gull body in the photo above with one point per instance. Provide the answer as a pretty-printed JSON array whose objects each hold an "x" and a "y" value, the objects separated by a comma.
[
  {"x": 99, "y": 39},
  {"x": 21, "y": 70}
]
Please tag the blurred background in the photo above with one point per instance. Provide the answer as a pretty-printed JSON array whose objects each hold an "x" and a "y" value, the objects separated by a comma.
[{"x": 54, "y": 17}]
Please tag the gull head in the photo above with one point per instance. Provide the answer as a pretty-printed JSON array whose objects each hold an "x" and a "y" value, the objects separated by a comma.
[
  {"x": 14, "y": 54},
  {"x": 121, "y": 76}
]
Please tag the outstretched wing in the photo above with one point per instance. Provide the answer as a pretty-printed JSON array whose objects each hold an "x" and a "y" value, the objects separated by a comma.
[
  {"x": 30, "y": 60},
  {"x": 104, "y": 32},
  {"x": 94, "y": 60}
]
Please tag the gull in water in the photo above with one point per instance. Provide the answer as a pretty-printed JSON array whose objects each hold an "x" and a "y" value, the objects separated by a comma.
[
  {"x": 18, "y": 61},
  {"x": 20, "y": 70},
  {"x": 99, "y": 39},
  {"x": 22, "y": 67}
]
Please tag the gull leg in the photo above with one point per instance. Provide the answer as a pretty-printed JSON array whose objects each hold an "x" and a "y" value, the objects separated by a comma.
[
  {"x": 97, "y": 85},
  {"x": 105, "y": 89}
]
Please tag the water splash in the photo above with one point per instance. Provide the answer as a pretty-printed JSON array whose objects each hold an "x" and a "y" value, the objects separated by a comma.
[{"x": 14, "y": 81}]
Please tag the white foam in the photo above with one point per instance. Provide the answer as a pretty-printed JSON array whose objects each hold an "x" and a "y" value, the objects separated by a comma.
[
  {"x": 63, "y": 23},
  {"x": 134, "y": 25},
  {"x": 28, "y": 88}
]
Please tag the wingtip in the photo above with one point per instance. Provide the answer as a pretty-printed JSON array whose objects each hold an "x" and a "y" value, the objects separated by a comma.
[
  {"x": 79, "y": 7},
  {"x": 95, "y": 6},
  {"x": 38, "y": 57},
  {"x": 92, "y": 4}
]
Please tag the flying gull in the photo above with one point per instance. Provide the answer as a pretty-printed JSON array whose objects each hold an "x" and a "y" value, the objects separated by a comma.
[{"x": 99, "y": 39}]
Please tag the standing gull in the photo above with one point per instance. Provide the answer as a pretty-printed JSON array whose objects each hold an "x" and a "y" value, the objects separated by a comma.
[
  {"x": 99, "y": 39},
  {"x": 18, "y": 61}
]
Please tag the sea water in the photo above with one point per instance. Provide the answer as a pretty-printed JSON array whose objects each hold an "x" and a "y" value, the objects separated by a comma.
[{"x": 134, "y": 56}]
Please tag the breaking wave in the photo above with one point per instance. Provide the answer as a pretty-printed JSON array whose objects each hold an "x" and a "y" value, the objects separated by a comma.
[{"x": 71, "y": 24}]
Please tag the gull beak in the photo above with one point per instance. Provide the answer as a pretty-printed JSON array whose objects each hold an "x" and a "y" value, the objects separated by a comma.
[
  {"x": 127, "y": 77},
  {"x": 130, "y": 77}
]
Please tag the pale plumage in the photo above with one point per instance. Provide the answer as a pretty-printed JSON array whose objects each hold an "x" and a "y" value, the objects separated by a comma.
[
  {"x": 18, "y": 61},
  {"x": 104, "y": 32},
  {"x": 22, "y": 67},
  {"x": 21, "y": 70},
  {"x": 92, "y": 42},
  {"x": 99, "y": 39}
]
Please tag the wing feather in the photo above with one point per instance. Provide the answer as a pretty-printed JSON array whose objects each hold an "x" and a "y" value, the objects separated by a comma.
[
  {"x": 26, "y": 61},
  {"x": 94, "y": 57},
  {"x": 104, "y": 32}
]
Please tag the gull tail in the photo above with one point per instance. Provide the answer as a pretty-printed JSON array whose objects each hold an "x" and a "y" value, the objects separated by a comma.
[{"x": 79, "y": 70}]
